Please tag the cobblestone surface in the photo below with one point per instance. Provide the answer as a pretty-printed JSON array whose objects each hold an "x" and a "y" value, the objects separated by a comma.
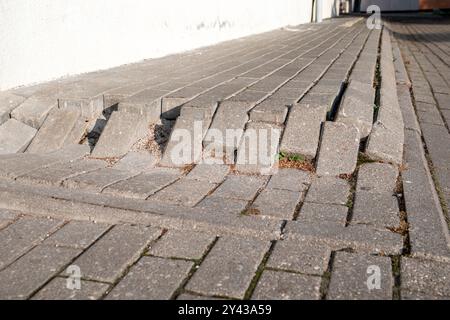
[{"x": 358, "y": 193}]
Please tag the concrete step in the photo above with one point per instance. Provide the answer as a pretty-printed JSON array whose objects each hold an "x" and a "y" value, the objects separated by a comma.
[{"x": 15, "y": 136}]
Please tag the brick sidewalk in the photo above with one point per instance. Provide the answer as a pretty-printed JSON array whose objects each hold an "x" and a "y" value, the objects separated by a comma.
[{"x": 355, "y": 209}]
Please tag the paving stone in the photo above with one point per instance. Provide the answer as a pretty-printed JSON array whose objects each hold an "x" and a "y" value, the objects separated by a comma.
[
  {"x": 8, "y": 214},
  {"x": 122, "y": 131},
  {"x": 136, "y": 162},
  {"x": 438, "y": 144},
  {"x": 276, "y": 203},
  {"x": 15, "y": 136},
  {"x": 302, "y": 133},
  {"x": 290, "y": 179},
  {"x": 276, "y": 285},
  {"x": 219, "y": 205},
  {"x": 192, "y": 297},
  {"x": 359, "y": 237},
  {"x": 414, "y": 295},
  {"x": 249, "y": 95},
  {"x": 322, "y": 99},
  {"x": 54, "y": 175},
  {"x": 171, "y": 104},
  {"x": 182, "y": 244},
  {"x": 432, "y": 117},
  {"x": 357, "y": 107},
  {"x": 385, "y": 145},
  {"x": 317, "y": 212},
  {"x": 57, "y": 290},
  {"x": 151, "y": 279},
  {"x": 339, "y": 149},
  {"x": 406, "y": 106},
  {"x": 425, "y": 277},
  {"x": 34, "y": 110},
  {"x": 97, "y": 180},
  {"x": 229, "y": 267},
  {"x": 443, "y": 100},
  {"x": 328, "y": 190},
  {"x": 143, "y": 185},
  {"x": 108, "y": 258},
  {"x": 33, "y": 270},
  {"x": 377, "y": 209},
  {"x": 299, "y": 257},
  {"x": 22, "y": 235},
  {"x": 240, "y": 187},
  {"x": 54, "y": 131},
  {"x": 351, "y": 277},
  {"x": 77, "y": 234},
  {"x": 269, "y": 113},
  {"x": 8, "y": 102},
  {"x": 209, "y": 173},
  {"x": 377, "y": 178},
  {"x": 145, "y": 104}
]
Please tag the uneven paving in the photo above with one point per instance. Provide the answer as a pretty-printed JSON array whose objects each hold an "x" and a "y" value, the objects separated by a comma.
[{"x": 128, "y": 184}]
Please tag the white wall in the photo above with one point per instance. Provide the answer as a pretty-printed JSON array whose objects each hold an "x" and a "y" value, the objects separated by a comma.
[
  {"x": 391, "y": 5},
  {"x": 46, "y": 39}
]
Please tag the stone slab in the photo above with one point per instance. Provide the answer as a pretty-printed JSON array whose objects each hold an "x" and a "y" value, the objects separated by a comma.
[
  {"x": 275, "y": 203},
  {"x": 328, "y": 190},
  {"x": 98, "y": 180},
  {"x": 318, "y": 212},
  {"x": 34, "y": 110},
  {"x": 290, "y": 179},
  {"x": 15, "y": 136},
  {"x": 239, "y": 187}
]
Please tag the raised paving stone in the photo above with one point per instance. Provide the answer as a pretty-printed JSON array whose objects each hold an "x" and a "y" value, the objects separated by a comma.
[
  {"x": 385, "y": 144},
  {"x": 54, "y": 131},
  {"x": 57, "y": 290},
  {"x": 97, "y": 180},
  {"x": 339, "y": 149},
  {"x": 377, "y": 178},
  {"x": 22, "y": 235},
  {"x": 77, "y": 234},
  {"x": 351, "y": 277},
  {"x": 209, "y": 173},
  {"x": 151, "y": 279},
  {"x": 240, "y": 187},
  {"x": 145, "y": 104},
  {"x": 318, "y": 212},
  {"x": 108, "y": 258},
  {"x": 15, "y": 136},
  {"x": 425, "y": 277},
  {"x": 229, "y": 268},
  {"x": 328, "y": 190},
  {"x": 290, "y": 179},
  {"x": 34, "y": 110},
  {"x": 8, "y": 102},
  {"x": 377, "y": 209},
  {"x": 302, "y": 133},
  {"x": 276, "y": 285},
  {"x": 33, "y": 270},
  {"x": 276, "y": 203},
  {"x": 299, "y": 257},
  {"x": 182, "y": 244}
]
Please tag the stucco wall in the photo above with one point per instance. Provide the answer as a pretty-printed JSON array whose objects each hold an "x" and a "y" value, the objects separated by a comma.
[{"x": 46, "y": 39}]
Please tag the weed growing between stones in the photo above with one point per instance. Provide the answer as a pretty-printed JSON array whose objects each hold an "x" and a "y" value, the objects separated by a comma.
[{"x": 294, "y": 161}]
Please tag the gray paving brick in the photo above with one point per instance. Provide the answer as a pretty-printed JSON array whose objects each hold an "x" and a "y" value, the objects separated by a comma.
[
  {"x": 34, "y": 110},
  {"x": 317, "y": 213},
  {"x": 277, "y": 203},
  {"x": 97, "y": 180},
  {"x": 339, "y": 149},
  {"x": 143, "y": 185},
  {"x": 136, "y": 162},
  {"x": 328, "y": 190},
  {"x": 229, "y": 268},
  {"x": 145, "y": 104},
  {"x": 268, "y": 112},
  {"x": 437, "y": 140},
  {"x": 33, "y": 270},
  {"x": 377, "y": 178},
  {"x": 425, "y": 277},
  {"x": 108, "y": 258},
  {"x": 182, "y": 244},
  {"x": 122, "y": 131},
  {"x": 385, "y": 144},
  {"x": 54, "y": 131},
  {"x": 22, "y": 235},
  {"x": 151, "y": 279},
  {"x": 377, "y": 209},
  {"x": 302, "y": 132},
  {"x": 443, "y": 100},
  {"x": 299, "y": 257},
  {"x": 351, "y": 275},
  {"x": 8, "y": 102},
  {"x": 220, "y": 205},
  {"x": 193, "y": 297},
  {"x": 209, "y": 173},
  {"x": 57, "y": 290},
  {"x": 77, "y": 234},
  {"x": 290, "y": 179},
  {"x": 15, "y": 136},
  {"x": 8, "y": 214},
  {"x": 406, "y": 106},
  {"x": 276, "y": 285},
  {"x": 240, "y": 187}
]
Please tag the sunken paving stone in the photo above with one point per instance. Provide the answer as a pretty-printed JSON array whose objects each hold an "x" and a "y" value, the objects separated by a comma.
[
  {"x": 302, "y": 133},
  {"x": 57, "y": 289},
  {"x": 8, "y": 102},
  {"x": 15, "y": 136},
  {"x": 377, "y": 178},
  {"x": 34, "y": 110},
  {"x": 240, "y": 187},
  {"x": 358, "y": 276},
  {"x": 151, "y": 278},
  {"x": 33, "y": 270},
  {"x": 290, "y": 179},
  {"x": 220, "y": 205},
  {"x": 377, "y": 209},
  {"x": 108, "y": 258},
  {"x": 143, "y": 185},
  {"x": 182, "y": 244},
  {"x": 55, "y": 131},
  {"x": 299, "y": 257},
  {"x": 77, "y": 234},
  {"x": 318, "y": 212},
  {"x": 425, "y": 277},
  {"x": 184, "y": 192},
  {"x": 276, "y": 285},
  {"x": 122, "y": 131},
  {"x": 276, "y": 203},
  {"x": 97, "y": 180},
  {"x": 229, "y": 268},
  {"x": 328, "y": 190},
  {"x": 339, "y": 149},
  {"x": 22, "y": 235},
  {"x": 209, "y": 173}
]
